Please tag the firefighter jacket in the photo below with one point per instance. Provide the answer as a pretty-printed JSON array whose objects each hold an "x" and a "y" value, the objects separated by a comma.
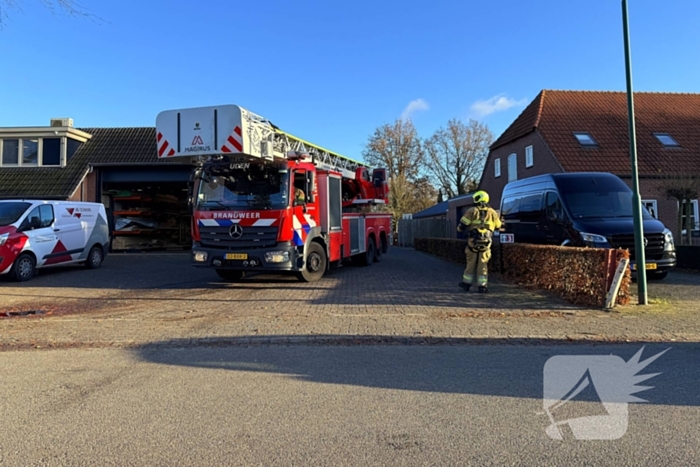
[{"x": 479, "y": 222}]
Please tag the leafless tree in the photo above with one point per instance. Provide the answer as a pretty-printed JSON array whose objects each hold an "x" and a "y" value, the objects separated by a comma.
[
  {"x": 398, "y": 148},
  {"x": 70, "y": 7},
  {"x": 683, "y": 188},
  {"x": 456, "y": 155}
]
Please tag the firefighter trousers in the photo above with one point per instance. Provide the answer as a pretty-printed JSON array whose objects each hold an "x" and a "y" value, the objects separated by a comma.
[{"x": 477, "y": 267}]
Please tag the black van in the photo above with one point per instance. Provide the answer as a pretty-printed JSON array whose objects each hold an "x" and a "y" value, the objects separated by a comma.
[{"x": 584, "y": 209}]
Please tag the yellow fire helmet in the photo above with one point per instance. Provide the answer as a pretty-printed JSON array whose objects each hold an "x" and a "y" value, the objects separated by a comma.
[{"x": 481, "y": 197}]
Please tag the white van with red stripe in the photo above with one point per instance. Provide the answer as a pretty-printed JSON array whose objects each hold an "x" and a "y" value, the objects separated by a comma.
[{"x": 36, "y": 234}]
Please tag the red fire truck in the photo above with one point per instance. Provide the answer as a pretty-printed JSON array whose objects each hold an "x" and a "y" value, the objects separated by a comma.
[{"x": 266, "y": 201}]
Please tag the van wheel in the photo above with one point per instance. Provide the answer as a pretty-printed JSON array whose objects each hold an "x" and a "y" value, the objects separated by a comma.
[
  {"x": 230, "y": 275},
  {"x": 316, "y": 263},
  {"x": 23, "y": 268},
  {"x": 657, "y": 276},
  {"x": 95, "y": 258}
]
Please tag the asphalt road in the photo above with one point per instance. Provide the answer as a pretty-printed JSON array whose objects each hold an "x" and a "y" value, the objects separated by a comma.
[{"x": 326, "y": 405}]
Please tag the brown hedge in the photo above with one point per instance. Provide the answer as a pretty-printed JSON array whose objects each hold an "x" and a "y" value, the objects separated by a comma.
[{"x": 580, "y": 275}]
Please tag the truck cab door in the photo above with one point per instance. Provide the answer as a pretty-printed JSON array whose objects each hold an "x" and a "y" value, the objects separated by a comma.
[{"x": 304, "y": 204}]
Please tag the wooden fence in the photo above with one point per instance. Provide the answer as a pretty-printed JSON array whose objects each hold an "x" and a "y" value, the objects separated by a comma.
[{"x": 409, "y": 229}]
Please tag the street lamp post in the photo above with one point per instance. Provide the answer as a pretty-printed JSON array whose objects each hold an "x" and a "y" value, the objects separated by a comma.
[{"x": 636, "y": 199}]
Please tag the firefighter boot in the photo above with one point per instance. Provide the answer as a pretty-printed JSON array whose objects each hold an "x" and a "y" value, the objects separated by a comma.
[
  {"x": 466, "y": 287},
  {"x": 483, "y": 289}
]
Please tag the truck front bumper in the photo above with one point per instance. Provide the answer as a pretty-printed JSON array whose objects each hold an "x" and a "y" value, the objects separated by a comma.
[{"x": 281, "y": 257}]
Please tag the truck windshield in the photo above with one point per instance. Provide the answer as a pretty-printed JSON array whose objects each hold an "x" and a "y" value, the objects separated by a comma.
[
  {"x": 238, "y": 186},
  {"x": 597, "y": 197},
  {"x": 11, "y": 212}
]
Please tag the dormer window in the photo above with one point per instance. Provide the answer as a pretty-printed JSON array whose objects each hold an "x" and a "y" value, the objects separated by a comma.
[
  {"x": 30, "y": 152},
  {"x": 666, "y": 140},
  {"x": 585, "y": 139}
]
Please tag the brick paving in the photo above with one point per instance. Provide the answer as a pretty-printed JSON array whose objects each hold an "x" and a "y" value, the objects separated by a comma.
[{"x": 138, "y": 299}]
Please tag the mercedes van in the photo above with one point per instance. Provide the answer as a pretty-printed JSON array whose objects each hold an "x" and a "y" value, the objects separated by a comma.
[
  {"x": 37, "y": 234},
  {"x": 584, "y": 209}
]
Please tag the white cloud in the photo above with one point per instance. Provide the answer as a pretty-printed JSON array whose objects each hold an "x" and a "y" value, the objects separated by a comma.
[
  {"x": 414, "y": 106},
  {"x": 495, "y": 104}
]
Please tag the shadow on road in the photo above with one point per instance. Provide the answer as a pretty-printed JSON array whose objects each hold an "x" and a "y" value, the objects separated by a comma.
[{"x": 492, "y": 367}]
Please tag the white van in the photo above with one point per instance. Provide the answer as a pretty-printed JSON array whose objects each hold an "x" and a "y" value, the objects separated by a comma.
[{"x": 38, "y": 234}]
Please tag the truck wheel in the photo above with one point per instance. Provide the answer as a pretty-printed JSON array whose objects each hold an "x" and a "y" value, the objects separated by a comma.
[
  {"x": 368, "y": 257},
  {"x": 23, "y": 268},
  {"x": 316, "y": 263},
  {"x": 378, "y": 254},
  {"x": 230, "y": 275},
  {"x": 95, "y": 258}
]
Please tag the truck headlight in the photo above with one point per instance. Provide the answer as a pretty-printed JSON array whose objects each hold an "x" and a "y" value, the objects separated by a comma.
[
  {"x": 200, "y": 256},
  {"x": 668, "y": 241},
  {"x": 277, "y": 256},
  {"x": 3, "y": 238},
  {"x": 593, "y": 238}
]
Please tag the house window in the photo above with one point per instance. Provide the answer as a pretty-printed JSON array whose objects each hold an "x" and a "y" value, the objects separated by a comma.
[
  {"x": 51, "y": 151},
  {"x": 585, "y": 139},
  {"x": 666, "y": 140},
  {"x": 10, "y": 151},
  {"x": 497, "y": 167},
  {"x": 651, "y": 206},
  {"x": 529, "y": 158},
  {"x": 512, "y": 167},
  {"x": 31, "y": 152},
  {"x": 72, "y": 147},
  {"x": 694, "y": 218}
]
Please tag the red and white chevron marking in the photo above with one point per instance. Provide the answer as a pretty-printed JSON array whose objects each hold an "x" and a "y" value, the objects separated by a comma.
[
  {"x": 234, "y": 143},
  {"x": 163, "y": 147}
]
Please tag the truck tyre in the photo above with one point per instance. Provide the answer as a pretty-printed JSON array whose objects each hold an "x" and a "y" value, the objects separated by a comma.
[
  {"x": 23, "y": 268},
  {"x": 230, "y": 275},
  {"x": 95, "y": 258},
  {"x": 368, "y": 257},
  {"x": 378, "y": 254},
  {"x": 315, "y": 265}
]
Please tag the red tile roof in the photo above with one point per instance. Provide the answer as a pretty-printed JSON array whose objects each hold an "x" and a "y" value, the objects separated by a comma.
[{"x": 603, "y": 115}]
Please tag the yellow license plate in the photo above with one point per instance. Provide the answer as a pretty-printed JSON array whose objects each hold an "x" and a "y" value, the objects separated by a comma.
[
  {"x": 649, "y": 266},
  {"x": 236, "y": 255}
]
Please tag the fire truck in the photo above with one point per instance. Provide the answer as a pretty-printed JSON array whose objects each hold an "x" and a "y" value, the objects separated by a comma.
[{"x": 265, "y": 201}]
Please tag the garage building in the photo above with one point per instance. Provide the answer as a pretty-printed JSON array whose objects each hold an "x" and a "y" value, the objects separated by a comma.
[{"x": 145, "y": 197}]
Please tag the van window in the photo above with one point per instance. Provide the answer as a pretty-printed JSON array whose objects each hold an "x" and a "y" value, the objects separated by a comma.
[
  {"x": 554, "y": 208},
  {"x": 531, "y": 208},
  {"x": 525, "y": 208},
  {"x": 43, "y": 215},
  {"x": 597, "y": 197},
  {"x": 11, "y": 212}
]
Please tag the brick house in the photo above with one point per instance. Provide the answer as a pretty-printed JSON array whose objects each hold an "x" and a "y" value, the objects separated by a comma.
[{"x": 587, "y": 131}]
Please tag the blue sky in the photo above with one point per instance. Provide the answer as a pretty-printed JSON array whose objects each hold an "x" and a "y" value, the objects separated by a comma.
[{"x": 331, "y": 72}]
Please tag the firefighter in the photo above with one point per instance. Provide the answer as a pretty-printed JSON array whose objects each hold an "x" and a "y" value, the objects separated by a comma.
[
  {"x": 299, "y": 195},
  {"x": 480, "y": 222}
]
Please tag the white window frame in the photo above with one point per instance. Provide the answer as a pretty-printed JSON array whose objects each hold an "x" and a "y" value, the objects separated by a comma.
[
  {"x": 40, "y": 152},
  {"x": 529, "y": 157},
  {"x": 512, "y": 178},
  {"x": 696, "y": 218},
  {"x": 497, "y": 167},
  {"x": 654, "y": 206}
]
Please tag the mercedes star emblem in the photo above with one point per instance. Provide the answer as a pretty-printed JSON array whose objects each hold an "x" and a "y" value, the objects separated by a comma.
[
  {"x": 646, "y": 242},
  {"x": 236, "y": 231}
]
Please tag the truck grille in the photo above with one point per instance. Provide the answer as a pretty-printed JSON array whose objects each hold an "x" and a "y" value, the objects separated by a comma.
[
  {"x": 654, "y": 249},
  {"x": 252, "y": 237}
]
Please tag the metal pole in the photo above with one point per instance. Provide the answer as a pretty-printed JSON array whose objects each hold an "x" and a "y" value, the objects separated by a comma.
[{"x": 636, "y": 199}]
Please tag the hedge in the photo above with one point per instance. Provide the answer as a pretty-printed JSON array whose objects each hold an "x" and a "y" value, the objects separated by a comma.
[{"x": 580, "y": 275}]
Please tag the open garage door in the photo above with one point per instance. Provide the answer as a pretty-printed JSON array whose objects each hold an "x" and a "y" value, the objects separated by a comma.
[{"x": 148, "y": 207}]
